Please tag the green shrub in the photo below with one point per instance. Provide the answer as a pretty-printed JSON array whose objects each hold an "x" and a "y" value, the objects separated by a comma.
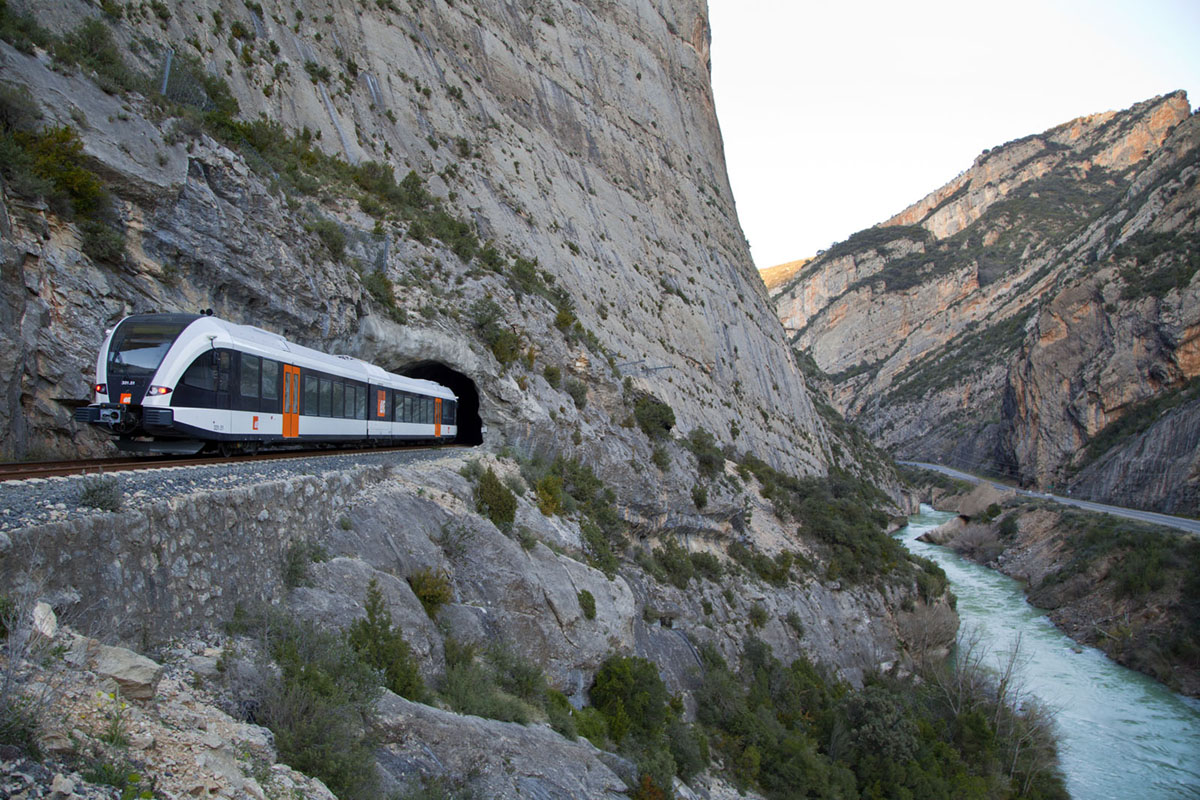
[
  {"x": 708, "y": 455},
  {"x": 700, "y": 495},
  {"x": 504, "y": 343},
  {"x": 92, "y": 48},
  {"x": 629, "y": 693},
  {"x": 495, "y": 501},
  {"x": 22, "y": 31},
  {"x": 383, "y": 292},
  {"x": 331, "y": 235},
  {"x": 654, "y": 417},
  {"x": 432, "y": 589},
  {"x": 775, "y": 571},
  {"x": 661, "y": 458},
  {"x": 470, "y": 688},
  {"x": 560, "y": 714},
  {"x": 526, "y": 537},
  {"x": 587, "y": 604},
  {"x": 553, "y": 376},
  {"x": 316, "y": 703},
  {"x": 758, "y": 615},
  {"x": 707, "y": 565},
  {"x": 102, "y": 242},
  {"x": 591, "y": 725},
  {"x": 675, "y": 563},
  {"x": 577, "y": 390},
  {"x": 549, "y": 491},
  {"x": 599, "y": 550},
  {"x": 20, "y": 725},
  {"x": 8, "y": 614},
  {"x": 102, "y": 492},
  {"x": 383, "y": 647},
  {"x": 120, "y": 775},
  {"x": 515, "y": 675},
  {"x": 296, "y": 560}
]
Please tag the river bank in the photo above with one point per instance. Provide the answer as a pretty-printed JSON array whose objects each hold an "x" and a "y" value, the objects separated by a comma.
[
  {"x": 1121, "y": 733},
  {"x": 1129, "y": 588}
]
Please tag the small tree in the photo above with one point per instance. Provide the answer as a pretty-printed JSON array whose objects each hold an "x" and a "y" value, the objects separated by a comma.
[
  {"x": 382, "y": 646},
  {"x": 654, "y": 417},
  {"x": 495, "y": 501}
]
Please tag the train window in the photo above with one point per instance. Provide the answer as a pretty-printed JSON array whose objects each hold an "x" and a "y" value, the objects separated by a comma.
[
  {"x": 398, "y": 407},
  {"x": 205, "y": 383},
  {"x": 339, "y": 398},
  {"x": 326, "y": 397},
  {"x": 427, "y": 410},
  {"x": 408, "y": 408},
  {"x": 224, "y": 359},
  {"x": 312, "y": 394},
  {"x": 140, "y": 343},
  {"x": 348, "y": 407},
  {"x": 251, "y": 372},
  {"x": 202, "y": 373},
  {"x": 362, "y": 403},
  {"x": 270, "y": 381},
  {"x": 448, "y": 411}
]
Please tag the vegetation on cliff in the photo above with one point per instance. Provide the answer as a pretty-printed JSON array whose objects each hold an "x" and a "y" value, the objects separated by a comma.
[{"x": 791, "y": 731}]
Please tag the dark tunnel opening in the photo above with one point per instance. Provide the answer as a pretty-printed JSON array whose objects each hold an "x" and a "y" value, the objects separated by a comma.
[{"x": 470, "y": 426}]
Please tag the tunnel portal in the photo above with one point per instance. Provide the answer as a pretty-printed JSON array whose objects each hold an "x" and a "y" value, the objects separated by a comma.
[{"x": 470, "y": 425}]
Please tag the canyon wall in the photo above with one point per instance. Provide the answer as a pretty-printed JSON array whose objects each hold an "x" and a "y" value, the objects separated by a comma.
[{"x": 1030, "y": 315}]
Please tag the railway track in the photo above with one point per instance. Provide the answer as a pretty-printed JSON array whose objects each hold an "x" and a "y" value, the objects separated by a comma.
[{"x": 20, "y": 471}]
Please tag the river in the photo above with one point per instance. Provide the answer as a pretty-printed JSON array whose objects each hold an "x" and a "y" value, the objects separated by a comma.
[{"x": 1121, "y": 735}]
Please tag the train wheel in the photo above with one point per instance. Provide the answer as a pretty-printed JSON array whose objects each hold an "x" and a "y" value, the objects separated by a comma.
[{"x": 227, "y": 449}]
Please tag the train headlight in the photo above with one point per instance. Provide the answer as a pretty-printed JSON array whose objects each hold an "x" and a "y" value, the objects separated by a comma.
[
  {"x": 101, "y": 388},
  {"x": 158, "y": 390}
]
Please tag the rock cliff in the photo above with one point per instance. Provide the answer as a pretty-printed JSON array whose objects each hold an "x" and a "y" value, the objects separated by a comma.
[
  {"x": 580, "y": 144},
  {"x": 1034, "y": 314}
]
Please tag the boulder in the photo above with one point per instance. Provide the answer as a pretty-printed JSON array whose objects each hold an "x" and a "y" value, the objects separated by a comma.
[
  {"x": 136, "y": 676},
  {"x": 983, "y": 496},
  {"x": 419, "y": 741},
  {"x": 944, "y": 533}
]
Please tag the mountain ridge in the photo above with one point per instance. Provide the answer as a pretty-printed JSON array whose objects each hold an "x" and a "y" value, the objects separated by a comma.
[{"x": 963, "y": 289}]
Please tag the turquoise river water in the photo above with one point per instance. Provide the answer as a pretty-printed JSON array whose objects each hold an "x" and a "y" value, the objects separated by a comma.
[{"x": 1121, "y": 734}]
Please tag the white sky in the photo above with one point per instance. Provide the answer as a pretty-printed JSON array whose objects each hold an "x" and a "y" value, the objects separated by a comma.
[{"x": 838, "y": 114}]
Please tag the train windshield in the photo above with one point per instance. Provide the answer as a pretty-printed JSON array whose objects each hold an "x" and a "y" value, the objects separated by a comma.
[{"x": 141, "y": 343}]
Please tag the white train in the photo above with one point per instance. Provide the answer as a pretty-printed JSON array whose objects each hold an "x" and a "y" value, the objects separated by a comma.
[{"x": 183, "y": 383}]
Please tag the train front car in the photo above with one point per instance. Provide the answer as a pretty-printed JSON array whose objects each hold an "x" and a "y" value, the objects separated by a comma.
[
  {"x": 182, "y": 383},
  {"x": 129, "y": 401}
]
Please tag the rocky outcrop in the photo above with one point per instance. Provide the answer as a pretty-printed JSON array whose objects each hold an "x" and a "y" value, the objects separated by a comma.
[
  {"x": 518, "y": 761},
  {"x": 1007, "y": 320}
]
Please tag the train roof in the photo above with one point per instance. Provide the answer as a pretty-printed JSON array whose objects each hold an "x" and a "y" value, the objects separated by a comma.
[
  {"x": 272, "y": 345},
  {"x": 250, "y": 334}
]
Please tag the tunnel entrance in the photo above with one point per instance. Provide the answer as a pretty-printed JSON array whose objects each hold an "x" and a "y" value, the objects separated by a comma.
[{"x": 470, "y": 426}]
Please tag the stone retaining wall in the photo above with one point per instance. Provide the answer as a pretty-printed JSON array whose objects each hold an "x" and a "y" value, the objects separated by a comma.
[{"x": 184, "y": 563}]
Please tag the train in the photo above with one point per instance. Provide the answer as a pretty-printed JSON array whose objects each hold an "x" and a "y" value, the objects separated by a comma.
[{"x": 190, "y": 383}]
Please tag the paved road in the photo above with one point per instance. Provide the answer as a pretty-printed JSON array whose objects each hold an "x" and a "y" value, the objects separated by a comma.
[{"x": 1181, "y": 523}]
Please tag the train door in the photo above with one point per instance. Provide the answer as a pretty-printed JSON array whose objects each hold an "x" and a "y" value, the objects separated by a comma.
[
  {"x": 291, "y": 401},
  {"x": 437, "y": 416}
]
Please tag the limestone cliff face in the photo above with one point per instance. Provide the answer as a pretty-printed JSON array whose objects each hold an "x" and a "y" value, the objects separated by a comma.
[
  {"x": 581, "y": 137},
  {"x": 1010, "y": 318}
]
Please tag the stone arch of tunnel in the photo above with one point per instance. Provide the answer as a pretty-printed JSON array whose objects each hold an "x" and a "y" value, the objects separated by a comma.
[{"x": 470, "y": 425}]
